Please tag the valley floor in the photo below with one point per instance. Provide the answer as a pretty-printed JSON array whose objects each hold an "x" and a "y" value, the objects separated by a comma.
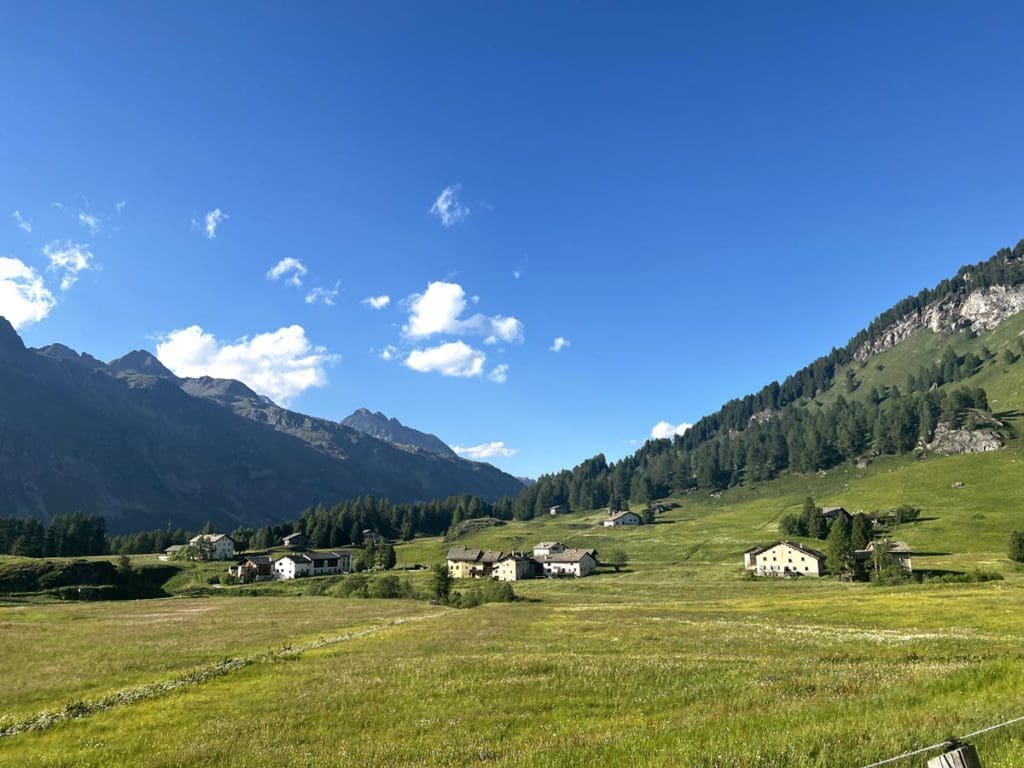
[{"x": 685, "y": 672}]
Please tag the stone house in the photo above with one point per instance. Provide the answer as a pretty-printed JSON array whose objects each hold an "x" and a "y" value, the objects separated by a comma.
[{"x": 784, "y": 559}]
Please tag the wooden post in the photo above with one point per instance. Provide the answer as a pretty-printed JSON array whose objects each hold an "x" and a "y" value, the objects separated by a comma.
[{"x": 965, "y": 756}]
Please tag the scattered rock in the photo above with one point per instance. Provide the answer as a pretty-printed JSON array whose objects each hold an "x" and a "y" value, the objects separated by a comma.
[{"x": 958, "y": 484}]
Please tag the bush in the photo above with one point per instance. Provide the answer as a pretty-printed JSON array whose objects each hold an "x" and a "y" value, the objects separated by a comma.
[
  {"x": 1016, "y": 552},
  {"x": 905, "y": 514}
]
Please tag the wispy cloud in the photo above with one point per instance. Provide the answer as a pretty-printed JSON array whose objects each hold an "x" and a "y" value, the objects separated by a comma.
[
  {"x": 389, "y": 352},
  {"x": 377, "y": 302},
  {"x": 119, "y": 207},
  {"x": 21, "y": 221},
  {"x": 499, "y": 374},
  {"x": 664, "y": 430},
  {"x": 24, "y": 299},
  {"x": 439, "y": 310},
  {"x": 68, "y": 259},
  {"x": 281, "y": 364},
  {"x": 211, "y": 221},
  {"x": 456, "y": 358},
  {"x": 291, "y": 269},
  {"x": 90, "y": 222},
  {"x": 448, "y": 208},
  {"x": 322, "y": 295},
  {"x": 559, "y": 344},
  {"x": 485, "y": 450}
]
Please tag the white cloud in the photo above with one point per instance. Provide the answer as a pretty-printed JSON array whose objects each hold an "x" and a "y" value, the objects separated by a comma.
[
  {"x": 212, "y": 220},
  {"x": 485, "y": 450},
  {"x": 516, "y": 274},
  {"x": 281, "y": 365},
  {"x": 559, "y": 344},
  {"x": 377, "y": 302},
  {"x": 664, "y": 430},
  {"x": 90, "y": 222},
  {"x": 24, "y": 298},
  {"x": 68, "y": 259},
  {"x": 456, "y": 358},
  {"x": 120, "y": 206},
  {"x": 323, "y": 295},
  {"x": 288, "y": 266},
  {"x": 439, "y": 310},
  {"x": 389, "y": 352},
  {"x": 448, "y": 208},
  {"x": 499, "y": 374},
  {"x": 21, "y": 222}
]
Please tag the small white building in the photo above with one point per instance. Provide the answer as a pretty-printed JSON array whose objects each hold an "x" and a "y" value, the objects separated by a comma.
[
  {"x": 313, "y": 564},
  {"x": 221, "y": 546},
  {"x": 558, "y": 509},
  {"x": 546, "y": 548},
  {"x": 568, "y": 562},
  {"x": 784, "y": 559},
  {"x": 625, "y": 517}
]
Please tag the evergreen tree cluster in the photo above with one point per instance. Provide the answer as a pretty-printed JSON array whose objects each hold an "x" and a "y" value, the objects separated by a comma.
[{"x": 66, "y": 536}]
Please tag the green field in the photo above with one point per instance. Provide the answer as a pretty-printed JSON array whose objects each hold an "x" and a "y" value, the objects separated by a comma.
[{"x": 678, "y": 660}]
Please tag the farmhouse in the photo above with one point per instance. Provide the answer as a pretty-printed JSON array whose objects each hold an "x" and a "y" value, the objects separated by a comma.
[
  {"x": 899, "y": 551},
  {"x": 624, "y": 517},
  {"x": 312, "y": 564},
  {"x": 295, "y": 540},
  {"x": 784, "y": 559},
  {"x": 372, "y": 537},
  {"x": 513, "y": 567},
  {"x": 172, "y": 551},
  {"x": 220, "y": 545},
  {"x": 253, "y": 568},
  {"x": 548, "y": 548},
  {"x": 558, "y": 509},
  {"x": 472, "y": 563},
  {"x": 836, "y": 513},
  {"x": 569, "y": 562}
]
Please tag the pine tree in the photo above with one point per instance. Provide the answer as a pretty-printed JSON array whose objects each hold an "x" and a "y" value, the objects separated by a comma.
[{"x": 839, "y": 550}]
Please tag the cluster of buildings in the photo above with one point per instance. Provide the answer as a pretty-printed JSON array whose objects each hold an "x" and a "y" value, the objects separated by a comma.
[
  {"x": 786, "y": 559},
  {"x": 550, "y": 559}
]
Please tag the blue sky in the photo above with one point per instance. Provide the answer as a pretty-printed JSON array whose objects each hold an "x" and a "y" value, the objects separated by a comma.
[{"x": 698, "y": 199}]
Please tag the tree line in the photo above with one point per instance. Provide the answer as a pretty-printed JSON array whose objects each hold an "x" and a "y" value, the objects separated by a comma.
[{"x": 68, "y": 535}]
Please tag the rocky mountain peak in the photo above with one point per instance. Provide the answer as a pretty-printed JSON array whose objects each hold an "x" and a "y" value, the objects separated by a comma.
[
  {"x": 9, "y": 338},
  {"x": 140, "y": 361},
  {"x": 391, "y": 430}
]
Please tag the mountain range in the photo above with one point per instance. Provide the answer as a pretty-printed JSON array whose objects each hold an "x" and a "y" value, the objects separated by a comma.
[{"x": 131, "y": 441}]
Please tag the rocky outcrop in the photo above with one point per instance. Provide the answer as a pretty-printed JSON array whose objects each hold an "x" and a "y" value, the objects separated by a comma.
[
  {"x": 953, "y": 442},
  {"x": 980, "y": 310}
]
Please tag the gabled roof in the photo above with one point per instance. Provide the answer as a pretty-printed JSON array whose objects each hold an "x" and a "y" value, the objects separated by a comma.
[
  {"x": 799, "y": 547},
  {"x": 174, "y": 548},
  {"x": 461, "y": 555},
  {"x": 621, "y": 514},
  {"x": 490, "y": 558},
  {"x": 755, "y": 550},
  {"x": 296, "y": 535},
  {"x": 896, "y": 547},
  {"x": 256, "y": 560},
  {"x": 213, "y": 538},
  {"x": 568, "y": 556},
  {"x": 548, "y": 544}
]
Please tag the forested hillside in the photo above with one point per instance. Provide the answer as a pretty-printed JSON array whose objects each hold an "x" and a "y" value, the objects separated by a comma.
[{"x": 832, "y": 411}]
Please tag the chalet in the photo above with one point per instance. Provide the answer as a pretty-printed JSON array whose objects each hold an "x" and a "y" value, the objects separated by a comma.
[
  {"x": 784, "y": 559},
  {"x": 625, "y": 517},
  {"x": 548, "y": 548},
  {"x": 835, "y": 513},
  {"x": 472, "y": 563},
  {"x": 513, "y": 566},
  {"x": 568, "y": 563},
  {"x": 253, "y": 568},
  {"x": 312, "y": 564},
  {"x": 221, "y": 546},
  {"x": 174, "y": 549},
  {"x": 295, "y": 540},
  {"x": 558, "y": 509},
  {"x": 370, "y": 536},
  {"x": 899, "y": 550}
]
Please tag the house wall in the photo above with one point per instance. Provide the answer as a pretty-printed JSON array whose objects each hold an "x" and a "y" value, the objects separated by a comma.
[
  {"x": 460, "y": 569},
  {"x": 786, "y": 560}
]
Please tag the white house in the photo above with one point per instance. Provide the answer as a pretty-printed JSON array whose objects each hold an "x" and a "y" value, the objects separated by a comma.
[
  {"x": 221, "y": 545},
  {"x": 784, "y": 559},
  {"x": 624, "y": 517},
  {"x": 568, "y": 562},
  {"x": 312, "y": 564},
  {"x": 548, "y": 548},
  {"x": 512, "y": 566},
  {"x": 558, "y": 509},
  {"x": 899, "y": 551}
]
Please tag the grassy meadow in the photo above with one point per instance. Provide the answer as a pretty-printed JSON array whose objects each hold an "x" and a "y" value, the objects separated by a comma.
[{"x": 677, "y": 660}]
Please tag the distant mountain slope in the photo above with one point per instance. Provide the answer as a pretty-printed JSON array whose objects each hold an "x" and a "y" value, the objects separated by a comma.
[
  {"x": 135, "y": 443},
  {"x": 936, "y": 373},
  {"x": 393, "y": 431}
]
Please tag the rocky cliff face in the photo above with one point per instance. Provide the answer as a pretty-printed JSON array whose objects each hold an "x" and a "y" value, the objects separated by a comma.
[
  {"x": 980, "y": 310},
  {"x": 393, "y": 431},
  {"x": 953, "y": 442}
]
